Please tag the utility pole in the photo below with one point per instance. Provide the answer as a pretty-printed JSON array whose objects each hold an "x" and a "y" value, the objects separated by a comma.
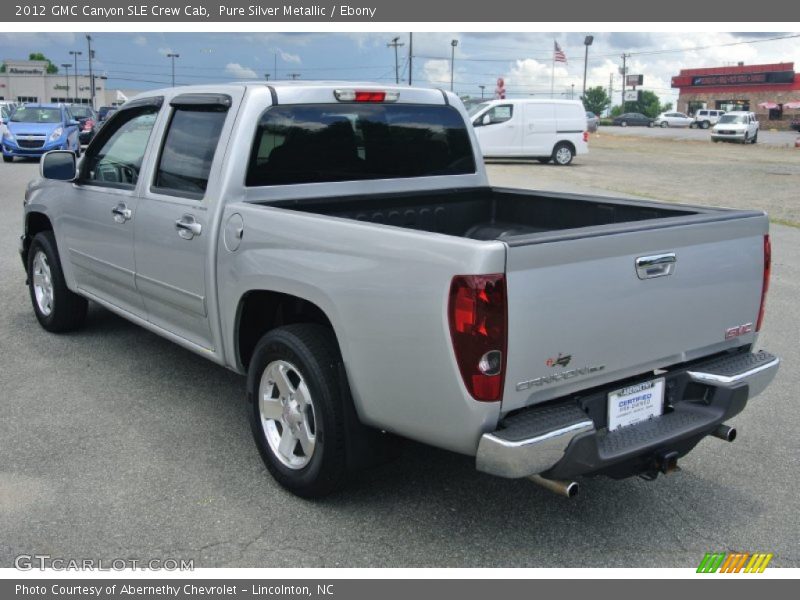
[
  {"x": 624, "y": 72},
  {"x": 453, "y": 45},
  {"x": 91, "y": 75},
  {"x": 76, "y": 54},
  {"x": 66, "y": 67},
  {"x": 275, "y": 67},
  {"x": 396, "y": 44},
  {"x": 572, "y": 92},
  {"x": 410, "y": 56},
  {"x": 267, "y": 76},
  {"x": 610, "y": 89},
  {"x": 587, "y": 41},
  {"x": 293, "y": 75},
  {"x": 482, "y": 88},
  {"x": 173, "y": 56}
]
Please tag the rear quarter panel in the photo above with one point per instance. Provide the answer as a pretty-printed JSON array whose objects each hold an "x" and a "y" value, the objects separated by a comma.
[{"x": 385, "y": 290}]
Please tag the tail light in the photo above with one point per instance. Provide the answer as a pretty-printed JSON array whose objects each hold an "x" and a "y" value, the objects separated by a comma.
[
  {"x": 477, "y": 313},
  {"x": 765, "y": 284},
  {"x": 585, "y": 136}
]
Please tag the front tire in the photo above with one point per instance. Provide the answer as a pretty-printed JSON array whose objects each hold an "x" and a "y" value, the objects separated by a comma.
[
  {"x": 297, "y": 408},
  {"x": 563, "y": 154},
  {"x": 56, "y": 307},
  {"x": 755, "y": 138},
  {"x": 8, "y": 159},
  {"x": 664, "y": 124},
  {"x": 623, "y": 124},
  {"x": 705, "y": 124}
]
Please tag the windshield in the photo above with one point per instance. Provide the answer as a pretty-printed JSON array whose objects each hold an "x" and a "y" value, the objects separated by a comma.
[
  {"x": 732, "y": 119},
  {"x": 80, "y": 112},
  {"x": 32, "y": 114},
  {"x": 477, "y": 108}
]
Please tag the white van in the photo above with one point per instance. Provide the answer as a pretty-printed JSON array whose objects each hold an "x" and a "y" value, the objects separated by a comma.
[{"x": 543, "y": 129}]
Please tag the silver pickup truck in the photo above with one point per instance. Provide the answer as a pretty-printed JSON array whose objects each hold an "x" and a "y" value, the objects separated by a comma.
[{"x": 340, "y": 245}]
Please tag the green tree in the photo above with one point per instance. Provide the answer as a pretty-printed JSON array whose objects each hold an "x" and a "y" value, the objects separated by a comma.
[
  {"x": 596, "y": 100},
  {"x": 51, "y": 68}
]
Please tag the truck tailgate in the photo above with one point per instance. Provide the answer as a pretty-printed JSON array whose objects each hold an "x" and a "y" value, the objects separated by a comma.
[{"x": 579, "y": 315}]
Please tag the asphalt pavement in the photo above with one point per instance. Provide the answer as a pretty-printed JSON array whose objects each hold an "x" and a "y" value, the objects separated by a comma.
[
  {"x": 116, "y": 443},
  {"x": 766, "y": 136}
]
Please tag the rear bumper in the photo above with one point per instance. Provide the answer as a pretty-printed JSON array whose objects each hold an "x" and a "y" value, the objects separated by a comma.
[{"x": 569, "y": 438}]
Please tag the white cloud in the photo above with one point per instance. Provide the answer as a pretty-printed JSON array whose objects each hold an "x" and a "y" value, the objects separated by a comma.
[
  {"x": 239, "y": 72},
  {"x": 290, "y": 58},
  {"x": 140, "y": 40},
  {"x": 436, "y": 72},
  {"x": 165, "y": 51}
]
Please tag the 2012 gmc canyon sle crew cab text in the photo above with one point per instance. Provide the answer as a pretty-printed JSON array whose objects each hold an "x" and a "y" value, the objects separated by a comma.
[{"x": 341, "y": 246}]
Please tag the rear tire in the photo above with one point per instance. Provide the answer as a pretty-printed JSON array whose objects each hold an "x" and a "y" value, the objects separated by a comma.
[
  {"x": 297, "y": 408},
  {"x": 563, "y": 154},
  {"x": 623, "y": 124},
  {"x": 56, "y": 307},
  {"x": 705, "y": 124}
]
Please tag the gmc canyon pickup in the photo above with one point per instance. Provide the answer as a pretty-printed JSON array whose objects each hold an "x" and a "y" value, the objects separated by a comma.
[{"x": 340, "y": 245}]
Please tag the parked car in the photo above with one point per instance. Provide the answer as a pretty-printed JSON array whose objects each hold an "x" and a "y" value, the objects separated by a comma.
[
  {"x": 34, "y": 129},
  {"x": 103, "y": 112},
  {"x": 87, "y": 120},
  {"x": 633, "y": 119},
  {"x": 795, "y": 124},
  {"x": 108, "y": 114},
  {"x": 705, "y": 118},
  {"x": 342, "y": 247},
  {"x": 547, "y": 130},
  {"x": 592, "y": 122},
  {"x": 4, "y": 115},
  {"x": 736, "y": 126},
  {"x": 673, "y": 119}
]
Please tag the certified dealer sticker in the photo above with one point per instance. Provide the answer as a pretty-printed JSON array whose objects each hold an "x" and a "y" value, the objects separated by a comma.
[{"x": 635, "y": 403}]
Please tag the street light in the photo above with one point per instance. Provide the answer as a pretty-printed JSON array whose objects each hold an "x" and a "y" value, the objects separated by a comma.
[
  {"x": 66, "y": 67},
  {"x": 76, "y": 54},
  {"x": 453, "y": 45},
  {"x": 173, "y": 57},
  {"x": 482, "y": 88},
  {"x": 587, "y": 41}
]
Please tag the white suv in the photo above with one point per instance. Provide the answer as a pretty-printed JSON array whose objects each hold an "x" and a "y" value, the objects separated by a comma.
[
  {"x": 705, "y": 118},
  {"x": 736, "y": 126}
]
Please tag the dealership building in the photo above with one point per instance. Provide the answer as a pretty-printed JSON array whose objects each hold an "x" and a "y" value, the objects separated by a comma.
[
  {"x": 28, "y": 81},
  {"x": 763, "y": 89}
]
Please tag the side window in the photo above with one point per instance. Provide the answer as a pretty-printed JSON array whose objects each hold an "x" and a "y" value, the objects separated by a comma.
[
  {"x": 188, "y": 151},
  {"x": 115, "y": 159},
  {"x": 500, "y": 113}
]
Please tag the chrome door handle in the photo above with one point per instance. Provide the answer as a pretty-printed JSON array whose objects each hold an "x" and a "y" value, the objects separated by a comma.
[
  {"x": 121, "y": 213},
  {"x": 658, "y": 265},
  {"x": 188, "y": 227}
]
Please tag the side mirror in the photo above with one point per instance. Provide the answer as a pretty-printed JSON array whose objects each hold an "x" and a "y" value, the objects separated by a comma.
[
  {"x": 74, "y": 123},
  {"x": 59, "y": 165}
]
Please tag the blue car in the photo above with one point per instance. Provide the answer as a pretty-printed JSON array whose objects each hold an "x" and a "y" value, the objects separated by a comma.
[{"x": 34, "y": 129}]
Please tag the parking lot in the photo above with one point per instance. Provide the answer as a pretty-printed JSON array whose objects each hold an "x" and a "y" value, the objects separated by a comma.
[
  {"x": 767, "y": 137},
  {"x": 119, "y": 444}
]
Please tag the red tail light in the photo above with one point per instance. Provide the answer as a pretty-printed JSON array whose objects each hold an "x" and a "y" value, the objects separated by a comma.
[
  {"x": 585, "y": 136},
  {"x": 765, "y": 284},
  {"x": 370, "y": 96},
  {"x": 477, "y": 313}
]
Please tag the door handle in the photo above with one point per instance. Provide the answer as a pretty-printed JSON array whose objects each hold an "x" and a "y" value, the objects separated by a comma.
[
  {"x": 121, "y": 213},
  {"x": 188, "y": 227},
  {"x": 659, "y": 265}
]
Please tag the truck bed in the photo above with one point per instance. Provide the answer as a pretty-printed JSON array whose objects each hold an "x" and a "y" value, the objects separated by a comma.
[{"x": 491, "y": 213}]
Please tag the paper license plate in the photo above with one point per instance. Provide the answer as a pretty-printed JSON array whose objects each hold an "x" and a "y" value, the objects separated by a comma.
[{"x": 635, "y": 403}]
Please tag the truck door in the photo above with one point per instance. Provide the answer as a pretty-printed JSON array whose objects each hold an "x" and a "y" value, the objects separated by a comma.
[
  {"x": 100, "y": 209},
  {"x": 173, "y": 226},
  {"x": 499, "y": 131},
  {"x": 540, "y": 129}
]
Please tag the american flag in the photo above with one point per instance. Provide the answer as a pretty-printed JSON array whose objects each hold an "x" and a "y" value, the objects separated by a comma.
[{"x": 558, "y": 53}]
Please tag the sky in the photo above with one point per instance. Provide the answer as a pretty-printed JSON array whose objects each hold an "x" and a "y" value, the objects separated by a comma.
[{"x": 138, "y": 60}]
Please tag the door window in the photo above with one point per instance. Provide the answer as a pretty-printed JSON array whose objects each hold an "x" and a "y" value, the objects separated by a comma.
[
  {"x": 188, "y": 151},
  {"x": 500, "y": 114},
  {"x": 115, "y": 158}
]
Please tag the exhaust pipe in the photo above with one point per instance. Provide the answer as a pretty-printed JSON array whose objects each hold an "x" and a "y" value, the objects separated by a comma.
[
  {"x": 568, "y": 489},
  {"x": 725, "y": 432}
]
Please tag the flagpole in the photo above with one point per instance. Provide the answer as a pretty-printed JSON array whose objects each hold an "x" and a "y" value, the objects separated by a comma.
[{"x": 553, "y": 72}]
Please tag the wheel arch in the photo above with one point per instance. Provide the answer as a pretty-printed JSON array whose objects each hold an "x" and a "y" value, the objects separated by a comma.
[
  {"x": 261, "y": 310},
  {"x": 35, "y": 222}
]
